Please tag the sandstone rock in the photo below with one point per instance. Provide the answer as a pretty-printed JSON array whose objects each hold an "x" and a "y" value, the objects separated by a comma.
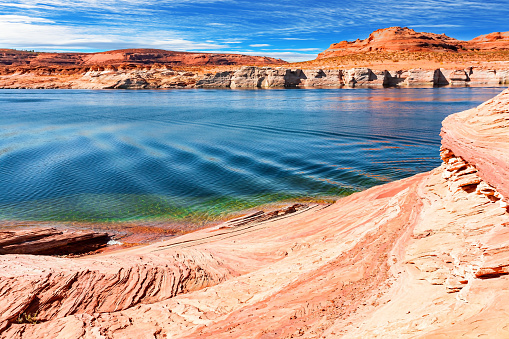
[
  {"x": 364, "y": 77},
  {"x": 480, "y": 76},
  {"x": 452, "y": 77},
  {"x": 419, "y": 77},
  {"x": 126, "y": 76},
  {"x": 218, "y": 80},
  {"x": 322, "y": 78},
  {"x": 274, "y": 78},
  {"x": 405, "y": 39},
  {"x": 248, "y": 77},
  {"x": 132, "y": 56},
  {"x": 480, "y": 136},
  {"x": 50, "y": 241}
]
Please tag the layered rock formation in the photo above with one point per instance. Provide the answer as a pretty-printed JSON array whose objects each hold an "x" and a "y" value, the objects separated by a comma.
[
  {"x": 405, "y": 39},
  {"x": 50, "y": 241},
  {"x": 9, "y": 57},
  {"x": 427, "y": 256},
  {"x": 163, "y": 77}
]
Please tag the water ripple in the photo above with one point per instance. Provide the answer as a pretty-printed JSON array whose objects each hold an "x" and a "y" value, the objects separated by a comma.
[{"x": 198, "y": 155}]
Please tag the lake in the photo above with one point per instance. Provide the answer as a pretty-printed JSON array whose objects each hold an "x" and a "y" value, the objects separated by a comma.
[{"x": 198, "y": 155}]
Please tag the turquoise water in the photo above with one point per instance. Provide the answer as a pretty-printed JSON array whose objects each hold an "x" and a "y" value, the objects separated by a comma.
[{"x": 197, "y": 155}]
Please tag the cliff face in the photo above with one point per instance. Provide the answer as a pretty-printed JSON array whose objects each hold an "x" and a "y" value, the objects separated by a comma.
[
  {"x": 408, "y": 40},
  {"x": 427, "y": 256},
  {"x": 130, "y": 56},
  {"x": 152, "y": 77}
]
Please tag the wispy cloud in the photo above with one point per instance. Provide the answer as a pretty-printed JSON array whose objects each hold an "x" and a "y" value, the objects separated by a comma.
[
  {"x": 185, "y": 45},
  {"x": 23, "y": 19},
  {"x": 434, "y": 26},
  {"x": 30, "y": 32},
  {"x": 294, "y": 49},
  {"x": 225, "y": 25},
  {"x": 297, "y": 39}
]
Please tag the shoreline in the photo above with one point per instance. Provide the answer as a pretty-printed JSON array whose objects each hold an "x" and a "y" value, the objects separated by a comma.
[
  {"x": 250, "y": 77},
  {"x": 143, "y": 232}
]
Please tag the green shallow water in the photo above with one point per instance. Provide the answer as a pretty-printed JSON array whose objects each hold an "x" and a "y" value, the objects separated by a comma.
[{"x": 131, "y": 207}]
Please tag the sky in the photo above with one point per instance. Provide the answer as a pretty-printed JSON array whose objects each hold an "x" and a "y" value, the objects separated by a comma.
[{"x": 293, "y": 30}]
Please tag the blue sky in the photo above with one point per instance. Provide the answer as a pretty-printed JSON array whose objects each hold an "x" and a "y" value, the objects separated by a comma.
[{"x": 293, "y": 30}]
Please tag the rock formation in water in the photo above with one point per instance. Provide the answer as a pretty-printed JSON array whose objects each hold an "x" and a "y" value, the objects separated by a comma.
[
  {"x": 406, "y": 39},
  {"x": 426, "y": 256},
  {"x": 163, "y": 77}
]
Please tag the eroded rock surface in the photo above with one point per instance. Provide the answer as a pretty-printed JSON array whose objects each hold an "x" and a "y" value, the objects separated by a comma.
[
  {"x": 427, "y": 256},
  {"x": 50, "y": 241}
]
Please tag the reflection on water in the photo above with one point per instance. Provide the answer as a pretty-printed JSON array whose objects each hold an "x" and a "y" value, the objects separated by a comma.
[{"x": 196, "y": 155}]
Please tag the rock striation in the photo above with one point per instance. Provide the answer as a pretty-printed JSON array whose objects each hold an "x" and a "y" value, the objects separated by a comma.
[
  {"x": 481, "y": 136},
  {"x": 406, "y": 39},
  {"x": 50, "y": 241},
  {"x": 426, "y": 256},
  {"x": 163, "y": 77}
]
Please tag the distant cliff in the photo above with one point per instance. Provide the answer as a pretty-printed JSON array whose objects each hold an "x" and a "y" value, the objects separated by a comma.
[
  {"x": 10, "y": 57},
  {"x": 405, "y": 39}
]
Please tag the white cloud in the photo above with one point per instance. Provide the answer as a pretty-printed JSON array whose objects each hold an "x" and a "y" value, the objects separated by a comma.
[
  {"x": 23, "y": 19},
  {"x": 259, "y": 45},
  {"x": 185, "y": 45},
  {"x": 294, "y": 49},
  {"x": 25, "y": 6},
  {"x": 434, "y": 26},
  {"x": 297, "y": 39},
  {"x": 29, "y": 32},
  {"x": 24, "y": 33}
]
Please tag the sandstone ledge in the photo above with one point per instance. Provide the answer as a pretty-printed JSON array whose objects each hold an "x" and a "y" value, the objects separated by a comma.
[
  {"x": 427, "y": 256},
  {"x": 50, "y": 241}
]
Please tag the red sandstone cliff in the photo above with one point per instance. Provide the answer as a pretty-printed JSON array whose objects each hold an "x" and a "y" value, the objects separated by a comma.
[
  {"x": 405, "y": 39},
  {"x": 9, "y": 57},
  {"x": 426, "y": 256}
]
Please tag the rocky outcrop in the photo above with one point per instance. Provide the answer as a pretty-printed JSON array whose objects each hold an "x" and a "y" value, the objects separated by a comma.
[
  {"x": 427, "y": 256},
  {"x": 50, "y": 241},
  {"x": 405, "y": 39},
  {"x": 495, "y": 40},
  {"x": 481, "y": 136},
  {"x": 52, "y": 288}
]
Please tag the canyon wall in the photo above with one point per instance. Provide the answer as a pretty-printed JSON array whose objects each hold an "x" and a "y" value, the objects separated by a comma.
[
  {"x": 426, "y": 256},
  {"x": 163, "y": 77}
]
